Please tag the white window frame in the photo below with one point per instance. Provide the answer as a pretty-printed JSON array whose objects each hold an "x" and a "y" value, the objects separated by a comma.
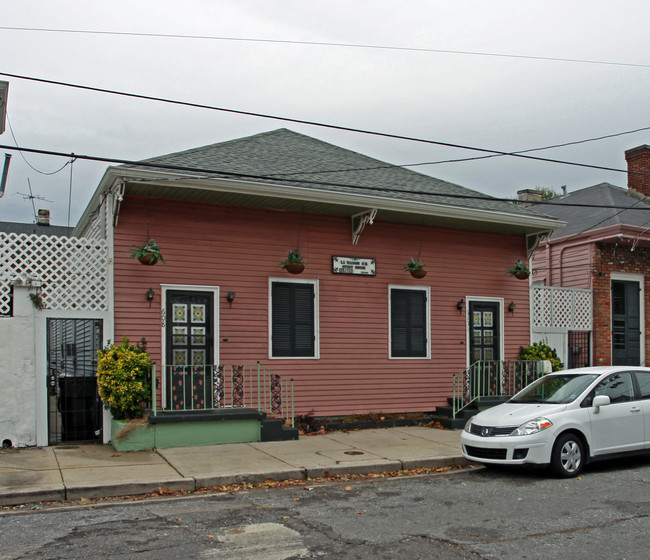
[
  {"x": 427, "y": 290},
  {"x": 315, "y": 284}
]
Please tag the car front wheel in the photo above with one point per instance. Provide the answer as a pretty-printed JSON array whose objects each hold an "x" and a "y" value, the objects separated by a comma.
[{"x": 568, "y": 456}]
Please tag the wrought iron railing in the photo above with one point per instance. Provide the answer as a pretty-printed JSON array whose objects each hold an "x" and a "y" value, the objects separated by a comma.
[
  {"x": 209, "y": 387},
  {"x": 493, "y": 378}
]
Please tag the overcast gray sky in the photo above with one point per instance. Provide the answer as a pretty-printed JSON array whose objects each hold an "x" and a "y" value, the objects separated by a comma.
[{"x": 505, "y": 103}]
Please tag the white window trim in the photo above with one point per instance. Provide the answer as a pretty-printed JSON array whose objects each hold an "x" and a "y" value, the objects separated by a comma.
[
  {"x": 215, "y": 311},
  {"x": 427, "y": 290},
  {"x": 468, "y": 326},
  {"x": 315, "y": 283},
  {"x": 639, "y": 279}
]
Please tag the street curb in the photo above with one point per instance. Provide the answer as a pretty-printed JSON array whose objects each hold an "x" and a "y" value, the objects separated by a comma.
[
  {"x": 189, "y": 485},
  {"x": 129, "y": 488}
]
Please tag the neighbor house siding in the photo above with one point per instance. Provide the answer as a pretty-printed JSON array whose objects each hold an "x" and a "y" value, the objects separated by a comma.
[{"x": 238, "y": 249}]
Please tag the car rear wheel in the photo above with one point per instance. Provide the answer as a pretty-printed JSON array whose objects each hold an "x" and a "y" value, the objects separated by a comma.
[{"x": 568, "y": 456}]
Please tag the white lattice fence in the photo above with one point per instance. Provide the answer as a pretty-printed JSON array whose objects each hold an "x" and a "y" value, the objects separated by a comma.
[
  {"x": 73, "y": 271},
  {"x": 562, "y": 308}
]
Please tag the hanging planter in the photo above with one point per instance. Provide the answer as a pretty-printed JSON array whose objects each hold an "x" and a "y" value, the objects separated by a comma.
[
  {"x": 416, "y": 268},
  {"x": 293, "y": 264},
  {"x": 148, "y": 254},
  {"x": 519, "y": 271}
]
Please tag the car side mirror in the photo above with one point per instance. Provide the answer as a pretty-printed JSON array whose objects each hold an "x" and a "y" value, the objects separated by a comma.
[{"x": 600, "y": 400}]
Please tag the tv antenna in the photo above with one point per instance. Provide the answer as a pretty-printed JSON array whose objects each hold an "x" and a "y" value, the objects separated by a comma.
[{"x": 31, "y": 196}]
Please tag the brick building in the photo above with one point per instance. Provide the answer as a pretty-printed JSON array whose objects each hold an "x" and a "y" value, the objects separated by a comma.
[{"x": 605, "y": 247}]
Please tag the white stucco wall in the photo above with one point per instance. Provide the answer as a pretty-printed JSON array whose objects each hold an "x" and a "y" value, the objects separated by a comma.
[{"x": 18, "y": 373}]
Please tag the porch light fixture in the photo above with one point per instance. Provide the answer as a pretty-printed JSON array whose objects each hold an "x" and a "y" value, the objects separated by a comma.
[
  {"x": 230, "y": 297},
  {"x": 150, "y": 295},
  {"x": 512, "y": 306},
  {"x": 460, "y": 305}
]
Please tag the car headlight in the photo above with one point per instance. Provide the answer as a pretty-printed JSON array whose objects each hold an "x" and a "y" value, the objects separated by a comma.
[
  {"x": 532, "y": 427},
  {"x": 468, "y": 425}
]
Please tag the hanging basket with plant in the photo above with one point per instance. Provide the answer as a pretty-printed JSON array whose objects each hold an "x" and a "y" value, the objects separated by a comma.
[
  {"x": 147, "y": 254},
  {"x": 293, "y": 263},
  {"x": 124, "y": 379},
  {"x": 519, "y": 271},
  {"x": 416, "y": 268}
]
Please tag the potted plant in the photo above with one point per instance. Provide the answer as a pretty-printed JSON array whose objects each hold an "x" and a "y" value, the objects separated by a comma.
[
  {"x": 147, "y": 254},
  {"x": 519, "y": 271},
  {"x": 293, "y": 263},
  {"x": 124, "y": 386},
  {"x": 416, "y": 268}
]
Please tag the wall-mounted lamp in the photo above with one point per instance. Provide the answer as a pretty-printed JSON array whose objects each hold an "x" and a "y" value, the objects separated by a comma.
[
  {"x": 230, "y": 297},
  {"x": 460, "y": 305},
  {"x": 150, "y": 295},
  {"x": 512, "y": 306}
]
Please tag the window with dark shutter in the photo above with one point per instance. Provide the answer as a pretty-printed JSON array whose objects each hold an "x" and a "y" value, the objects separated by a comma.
[
  {"x": 292, "y": 317},
  {"x": 408, "y": 326}
]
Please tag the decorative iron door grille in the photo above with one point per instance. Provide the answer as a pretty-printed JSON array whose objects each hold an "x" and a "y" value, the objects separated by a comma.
[
  {"x": 74, "y": 408},
  {"x": 190, "y": 350}
]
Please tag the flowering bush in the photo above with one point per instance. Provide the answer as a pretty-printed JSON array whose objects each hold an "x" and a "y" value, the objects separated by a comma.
[
  {"x": 124, "y": 379},
  {"x": 541, "y": 351}
]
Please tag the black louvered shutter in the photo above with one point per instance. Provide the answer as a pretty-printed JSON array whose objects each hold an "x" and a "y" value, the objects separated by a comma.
[
  {"x": 408, "y": 323},
  {"x": 293, "y": 319}
]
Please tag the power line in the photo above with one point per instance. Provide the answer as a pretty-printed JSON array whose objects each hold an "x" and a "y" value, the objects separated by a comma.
[
  {"x": 310, "y": 123},
  {"x": 323, "y": 44},
  {"x": 249, "y": 176}
]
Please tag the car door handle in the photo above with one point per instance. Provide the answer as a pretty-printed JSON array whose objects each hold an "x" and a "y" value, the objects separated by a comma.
[{"x": 635, "y": 409}]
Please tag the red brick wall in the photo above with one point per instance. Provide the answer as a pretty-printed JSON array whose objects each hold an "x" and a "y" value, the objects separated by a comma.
[
  {"x": 638, "y": 163},
  {"x": 606, "y": 263}
]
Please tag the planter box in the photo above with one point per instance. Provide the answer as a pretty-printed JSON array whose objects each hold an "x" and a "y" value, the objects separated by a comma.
[
  {"x": 132, "y": 435},
  {"x": 187, "y": 429}
]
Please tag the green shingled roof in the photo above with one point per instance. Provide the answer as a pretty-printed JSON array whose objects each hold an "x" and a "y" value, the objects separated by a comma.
[{"x": 284, "y": 157}]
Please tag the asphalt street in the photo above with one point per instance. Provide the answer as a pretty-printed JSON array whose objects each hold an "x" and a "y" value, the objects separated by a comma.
[{"x": 480, "y": 513}]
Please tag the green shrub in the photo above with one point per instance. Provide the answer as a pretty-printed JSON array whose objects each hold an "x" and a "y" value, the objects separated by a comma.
[
  {"x": 124, "y": 379},
  {"x": 541, "y": 351}
]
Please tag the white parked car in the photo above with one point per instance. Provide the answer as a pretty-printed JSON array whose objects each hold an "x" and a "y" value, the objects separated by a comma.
[{"x": 566, "y": 419}]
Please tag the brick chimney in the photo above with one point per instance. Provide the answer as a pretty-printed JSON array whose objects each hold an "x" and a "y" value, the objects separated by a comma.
[
  {"x": 43, "y": 218},
  {"x": 638, "y": 162}
]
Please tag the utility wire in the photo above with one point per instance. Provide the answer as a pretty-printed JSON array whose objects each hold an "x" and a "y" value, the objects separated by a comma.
[
  {"x": 323, "y": 44},
  {"x": 249, "y": 176},
  {"x": 310, "y": 123},
  {"x": 388, "y": 165},
  {"x": 11, "y": 130}
]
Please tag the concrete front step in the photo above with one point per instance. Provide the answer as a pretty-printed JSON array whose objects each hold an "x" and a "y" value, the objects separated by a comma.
[{"x": 274, "y": 429}]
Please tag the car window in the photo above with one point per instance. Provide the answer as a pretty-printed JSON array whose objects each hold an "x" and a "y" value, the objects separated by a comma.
[
  {"x": 643, "y": 377},
  {"x": 618, "y": 387}
]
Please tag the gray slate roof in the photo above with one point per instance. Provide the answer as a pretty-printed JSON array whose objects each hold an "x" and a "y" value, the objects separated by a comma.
[
  {"x": 582, "y": 219},
  {"x": 284, "y": 157},
  {"x": 16, "y": 227}
]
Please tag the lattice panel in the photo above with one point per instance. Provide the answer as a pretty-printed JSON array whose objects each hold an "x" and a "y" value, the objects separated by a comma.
[
  {"x": 583, "y": 310},
  {"x": 73, "y": 271},
  {"x": 542, "y": 307},
  {"x": 566, "y": 308}
]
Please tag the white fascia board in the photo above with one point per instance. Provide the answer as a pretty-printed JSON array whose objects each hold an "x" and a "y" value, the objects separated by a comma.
[{"x": 115, "y": 174}]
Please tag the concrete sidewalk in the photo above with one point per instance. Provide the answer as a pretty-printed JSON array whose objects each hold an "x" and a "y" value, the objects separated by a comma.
[{"x": 69, "y": 472}]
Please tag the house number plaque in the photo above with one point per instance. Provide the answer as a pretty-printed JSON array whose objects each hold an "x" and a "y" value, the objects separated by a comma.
[{"x": 354, "y": 265}]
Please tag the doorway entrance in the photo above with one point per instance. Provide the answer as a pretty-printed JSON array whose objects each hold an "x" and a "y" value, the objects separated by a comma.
[
  {"x": 74, "y": 408},
  {"x": 626, "y": 323},
  {"x": 485, "y": 346},
  {"x": 190, "y": 349}
]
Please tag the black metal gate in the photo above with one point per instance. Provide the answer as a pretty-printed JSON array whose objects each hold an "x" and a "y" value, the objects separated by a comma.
[
  {"x": 74, "y": 408},
  {"x": 579, "y": 349}
]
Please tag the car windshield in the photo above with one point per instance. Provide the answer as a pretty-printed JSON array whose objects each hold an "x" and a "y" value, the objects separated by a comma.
[{"x": 554, "y": 389}]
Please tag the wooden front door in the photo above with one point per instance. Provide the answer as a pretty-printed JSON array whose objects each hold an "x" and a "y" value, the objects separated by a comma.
[
  {"x": 190, "y": 349},
  {"x": 484, "y": 331},
  {"x": 626, "y": 323}
]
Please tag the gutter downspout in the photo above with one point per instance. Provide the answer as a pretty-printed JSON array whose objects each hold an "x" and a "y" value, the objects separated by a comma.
[
  {"x": 5, "y": 172},
  {"x": 585, "y": 242}
]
